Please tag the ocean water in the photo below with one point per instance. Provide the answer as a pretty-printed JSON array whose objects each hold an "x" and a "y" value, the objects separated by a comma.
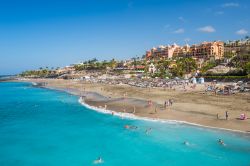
[{"x": 40, "y": 127}]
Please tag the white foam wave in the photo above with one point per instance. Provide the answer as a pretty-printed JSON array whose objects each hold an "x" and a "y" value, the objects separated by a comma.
[
  {"x": 134, "y": 117},
  {"x": 125, "y": 115}
]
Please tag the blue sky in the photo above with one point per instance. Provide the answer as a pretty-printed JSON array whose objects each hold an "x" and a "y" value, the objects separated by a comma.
[{"x": 39, "y": 33}]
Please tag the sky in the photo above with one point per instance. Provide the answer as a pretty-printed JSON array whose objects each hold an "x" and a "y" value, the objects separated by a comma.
[{"x": 56, "y": 33}]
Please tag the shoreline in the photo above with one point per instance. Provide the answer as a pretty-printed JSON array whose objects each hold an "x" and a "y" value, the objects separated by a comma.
[
  {"x": 95, "y": 100},
  {"x": 134, "y": 117}
]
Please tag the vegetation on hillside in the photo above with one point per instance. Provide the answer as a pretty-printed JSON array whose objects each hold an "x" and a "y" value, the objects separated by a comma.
[
  {"x": 94, "y": 64},
  {"x": 39, "y": 73},
  {"x": 169, "y": 68}
]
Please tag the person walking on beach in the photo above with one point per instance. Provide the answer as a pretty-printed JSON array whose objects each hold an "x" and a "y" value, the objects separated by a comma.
[
  {"x": 149, "y": 103},
  {"x": 227, "y": 115},
  {"x": 171, "y": 102},
  {"x": 124, "y": 96},
  {"x": 134, "y": 110}
]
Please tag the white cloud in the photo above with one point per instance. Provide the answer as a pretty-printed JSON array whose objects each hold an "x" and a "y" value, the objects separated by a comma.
[
  {"x": 219, "y": 13},
  {"x": 182, "y": 19},
  {"x": 230, "y": 4},
  {"x": 242, "y": 32},
  {"x": 207, "y": 29},
  {"x": 181, "y": 30}
]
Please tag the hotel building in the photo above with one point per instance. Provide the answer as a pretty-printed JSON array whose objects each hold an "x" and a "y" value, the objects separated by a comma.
[
  {"x": 161, "y": 52},
  {"x": 207, "y": 50},
  {"x": 237, "y": 46},
  {"x": 204, "y": 51}
]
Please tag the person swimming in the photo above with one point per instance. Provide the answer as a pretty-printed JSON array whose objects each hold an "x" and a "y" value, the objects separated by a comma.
[
  {"x": 186, "y": 143},
  {"x": 220, "y": 141},
  {"x": 130, "y": 127},
  {"x": 148, "y": 130},
  {"x": 98, "y": 161},
  {"x": 133, "y": 127},
  {"x": 126, "y": 126}
]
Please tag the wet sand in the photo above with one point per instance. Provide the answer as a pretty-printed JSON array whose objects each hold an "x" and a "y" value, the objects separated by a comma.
[{"x": 193, "y": 105}]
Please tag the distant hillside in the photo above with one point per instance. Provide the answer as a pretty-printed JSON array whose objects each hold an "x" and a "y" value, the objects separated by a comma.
[{"x": 7, "y": 77}]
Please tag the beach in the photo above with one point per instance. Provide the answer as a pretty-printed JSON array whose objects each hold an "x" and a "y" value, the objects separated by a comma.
[{"x": 193, "y": 106}]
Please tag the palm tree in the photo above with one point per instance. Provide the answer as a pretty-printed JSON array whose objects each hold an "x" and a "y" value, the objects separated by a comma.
[
  {"x": 134, "y": 62},
  {"x": 187, "y": 65},
  {"x": 166, "y": 64},
  {"x": 112, "y": 63},
  {"x": 146, "y": 69},
  {"x": 237, "y": 42}
]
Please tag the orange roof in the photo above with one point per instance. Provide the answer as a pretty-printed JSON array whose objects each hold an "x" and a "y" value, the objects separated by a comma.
[{"x": 140, "y": 67}]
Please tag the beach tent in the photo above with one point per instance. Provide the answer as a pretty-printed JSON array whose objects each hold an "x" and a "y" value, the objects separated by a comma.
[
  {"x": 201, "y": 80},
  {"x": 193, "y": 80}
]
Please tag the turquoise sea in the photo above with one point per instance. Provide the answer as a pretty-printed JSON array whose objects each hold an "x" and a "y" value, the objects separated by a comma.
[{"x": 41, "y": 127}]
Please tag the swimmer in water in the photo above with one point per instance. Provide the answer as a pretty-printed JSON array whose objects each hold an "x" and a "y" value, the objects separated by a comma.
[
  {"x": 130, "y": 127},
  {"x": 126, "y": 126},
  {"x": 98, "y": 161},
  {"x": 133, "y": 127},
  {"x": 220, "y": 141},
  {"x": 186, "y": 143},
  {"x": 148, "y": 130}
]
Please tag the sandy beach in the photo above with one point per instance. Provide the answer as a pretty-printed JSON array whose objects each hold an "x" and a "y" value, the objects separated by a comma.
[{"x": 192, "y": 105}]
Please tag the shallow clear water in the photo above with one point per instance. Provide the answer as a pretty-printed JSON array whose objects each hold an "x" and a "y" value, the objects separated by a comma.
[{"x": 44, "y": 127}]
